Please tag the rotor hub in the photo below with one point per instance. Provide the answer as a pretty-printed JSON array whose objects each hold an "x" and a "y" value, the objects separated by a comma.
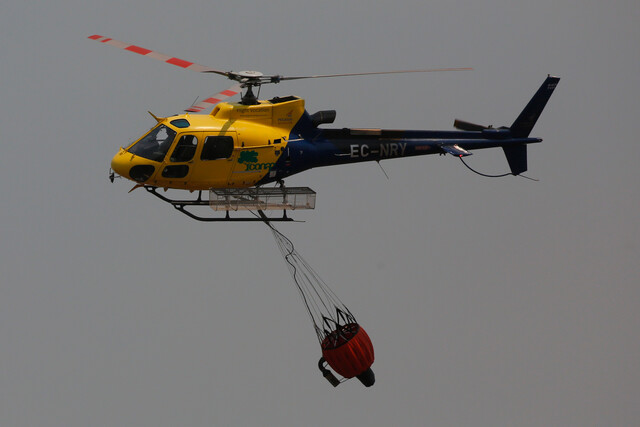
[{"x": 249, "y": 74}]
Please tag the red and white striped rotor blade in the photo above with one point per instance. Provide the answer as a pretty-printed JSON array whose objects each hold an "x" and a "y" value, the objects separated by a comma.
[
  {"x": 213, "y": 100},
  {"x": 156, "y": 55}
]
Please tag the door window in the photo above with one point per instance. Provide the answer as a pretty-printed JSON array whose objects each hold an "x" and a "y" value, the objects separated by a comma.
[
  {"x": 185, "y": 149},
  {"x": 217, "y": 147}
]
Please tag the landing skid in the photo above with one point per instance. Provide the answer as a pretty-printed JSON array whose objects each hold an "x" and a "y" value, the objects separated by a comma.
[{"x": 254, "y": 200}]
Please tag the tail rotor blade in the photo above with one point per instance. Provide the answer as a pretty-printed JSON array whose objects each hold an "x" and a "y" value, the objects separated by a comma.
[{"x": 468, "y": 126}]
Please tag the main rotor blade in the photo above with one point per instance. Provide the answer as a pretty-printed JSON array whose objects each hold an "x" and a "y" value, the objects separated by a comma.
[
  {"x": 431, "y": 70},
  {"x": 159, "y": 56},
  {"x": 213, "y": 100}
]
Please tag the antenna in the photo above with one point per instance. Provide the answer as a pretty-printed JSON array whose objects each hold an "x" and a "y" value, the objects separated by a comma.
[{"x": 383, "y": 171}]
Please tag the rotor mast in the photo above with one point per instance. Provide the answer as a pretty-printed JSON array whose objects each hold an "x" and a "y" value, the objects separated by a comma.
[{"x": 250, "y": 79}]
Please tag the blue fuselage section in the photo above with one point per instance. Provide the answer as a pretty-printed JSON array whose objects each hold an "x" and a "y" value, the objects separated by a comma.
[{"x": 309, "y": 147}]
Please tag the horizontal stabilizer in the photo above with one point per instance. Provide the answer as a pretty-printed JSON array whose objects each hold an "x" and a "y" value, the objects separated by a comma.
[{"x": 455, "y": 150}]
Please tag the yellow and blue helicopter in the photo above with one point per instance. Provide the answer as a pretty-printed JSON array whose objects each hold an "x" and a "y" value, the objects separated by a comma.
[{"x": 236, "y": 149}]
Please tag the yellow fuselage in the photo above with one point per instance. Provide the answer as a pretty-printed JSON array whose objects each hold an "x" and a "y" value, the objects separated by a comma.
[{"x": 233, "y": 147}]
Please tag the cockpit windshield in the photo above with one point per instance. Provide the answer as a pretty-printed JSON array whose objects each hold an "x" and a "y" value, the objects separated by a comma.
[{"x": 155, "y": 144}]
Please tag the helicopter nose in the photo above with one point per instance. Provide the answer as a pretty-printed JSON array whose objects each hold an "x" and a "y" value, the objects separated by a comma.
[
  {"x": 120, "y": 165},
  {"x": 131, "y": 167}
]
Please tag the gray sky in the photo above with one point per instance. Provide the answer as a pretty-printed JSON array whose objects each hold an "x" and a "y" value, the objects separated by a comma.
[{"x": 490, "y": 302}]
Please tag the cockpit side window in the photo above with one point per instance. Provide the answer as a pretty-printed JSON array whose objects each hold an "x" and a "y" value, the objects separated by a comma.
[
  {"x": 217, "y": 147},
  {"x": 185, "y": 149},
  {"x": 155, "y": 144}
]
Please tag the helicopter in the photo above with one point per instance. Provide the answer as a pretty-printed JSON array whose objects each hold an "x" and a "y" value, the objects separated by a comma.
[{"x": 237, "y": 148}]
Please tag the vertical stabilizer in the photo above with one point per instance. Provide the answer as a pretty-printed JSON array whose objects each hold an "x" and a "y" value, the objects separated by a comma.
[
  {"x": 517, "y": 158},
  {"x": 521, "y": 128}
]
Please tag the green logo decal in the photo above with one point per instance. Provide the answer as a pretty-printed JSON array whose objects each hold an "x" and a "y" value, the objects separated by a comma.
[{"x": 248, "y": 157}]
